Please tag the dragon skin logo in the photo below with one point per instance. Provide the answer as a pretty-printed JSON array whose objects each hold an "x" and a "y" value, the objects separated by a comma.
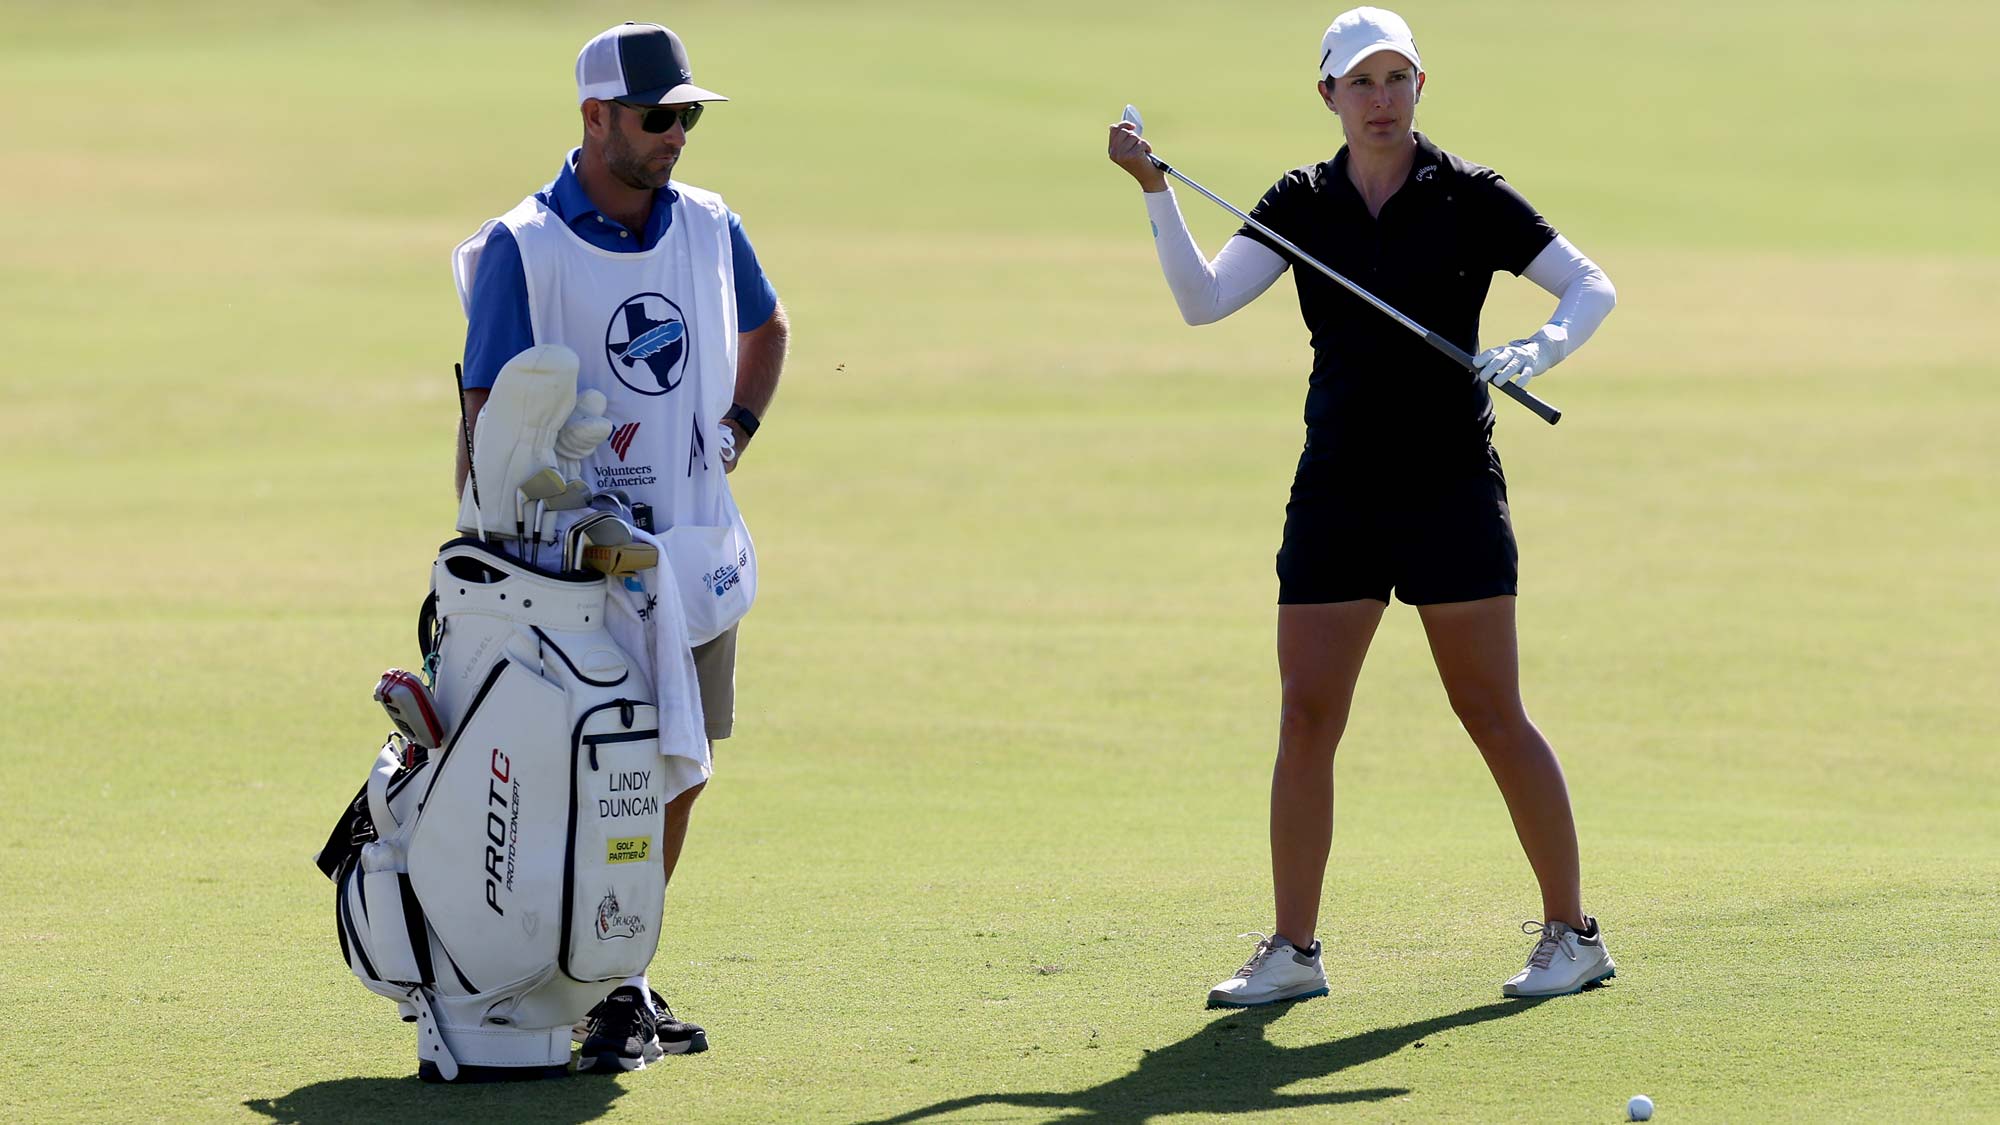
[
  {"x": 646, "y": 344},
  {"x": 611, "y": 924},
  {"x": 621, "y": 438}
]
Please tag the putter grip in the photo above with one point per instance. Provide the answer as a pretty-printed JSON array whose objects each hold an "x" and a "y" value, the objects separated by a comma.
[{"x": 1518, "y": 393}]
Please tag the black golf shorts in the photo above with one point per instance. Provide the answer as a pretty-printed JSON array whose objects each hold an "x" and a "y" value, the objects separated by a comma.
[{"x": 1358, "y": 530}]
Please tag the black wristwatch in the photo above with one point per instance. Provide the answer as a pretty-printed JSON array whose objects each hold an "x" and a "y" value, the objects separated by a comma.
[{"x": 745, "y": 419}]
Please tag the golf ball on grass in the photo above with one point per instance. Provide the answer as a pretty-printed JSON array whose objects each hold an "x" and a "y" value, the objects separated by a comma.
[{"x": 1639, "y": 1108}]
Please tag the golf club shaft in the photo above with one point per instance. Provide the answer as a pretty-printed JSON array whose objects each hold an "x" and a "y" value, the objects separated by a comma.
[
  {"x": 471, "y": 474},
  {"x": 1543, "y": 410}
]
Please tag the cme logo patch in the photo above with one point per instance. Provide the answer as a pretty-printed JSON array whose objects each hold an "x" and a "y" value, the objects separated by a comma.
[
  {"x": 646, "y": 344},
  {"x": 728, "y": 574},
  {"x": 612, "y": 924},
  {"x": 631, "y": 849},
  {"x": 621, "y": 438}
]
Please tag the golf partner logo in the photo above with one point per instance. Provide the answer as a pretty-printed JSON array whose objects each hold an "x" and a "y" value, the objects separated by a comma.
[
  {"x": 611, "y": 924},
  {"x": 629, "y": 849},
  {"x": 646, "y": 344}
]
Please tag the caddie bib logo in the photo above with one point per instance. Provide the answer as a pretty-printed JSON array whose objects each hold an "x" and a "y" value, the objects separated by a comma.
[
  {"x": 646, "y": 344},
  {"x": 621, "y": 439}
]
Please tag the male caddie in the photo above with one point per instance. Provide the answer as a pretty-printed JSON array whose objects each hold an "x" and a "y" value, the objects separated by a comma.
[{"x": 655, "y": 286}]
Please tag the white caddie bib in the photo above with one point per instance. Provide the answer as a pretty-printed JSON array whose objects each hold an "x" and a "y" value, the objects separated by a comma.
[{"x": 656, "y": 332}]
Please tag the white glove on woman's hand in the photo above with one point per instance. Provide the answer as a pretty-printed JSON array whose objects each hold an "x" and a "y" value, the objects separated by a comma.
[
  {"x": 586, "y": 429},
  {"x": 1521, "y": 360}
]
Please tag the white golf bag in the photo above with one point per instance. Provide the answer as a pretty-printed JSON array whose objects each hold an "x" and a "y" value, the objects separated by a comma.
[{"x": 491, "y": 886}]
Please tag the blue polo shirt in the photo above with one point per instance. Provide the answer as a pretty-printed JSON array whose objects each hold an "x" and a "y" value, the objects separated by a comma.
[{"x": 496, "y": 323}]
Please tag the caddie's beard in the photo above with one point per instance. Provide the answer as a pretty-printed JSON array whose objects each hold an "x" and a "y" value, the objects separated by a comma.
[{"x": 630, "y": 168}]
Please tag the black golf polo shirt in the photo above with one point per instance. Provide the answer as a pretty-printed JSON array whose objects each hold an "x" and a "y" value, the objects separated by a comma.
[{"x": 1377, "y": 388}]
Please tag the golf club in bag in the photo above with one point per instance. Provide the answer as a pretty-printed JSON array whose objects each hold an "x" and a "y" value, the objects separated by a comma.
[
  {"x": 501, "y": 863},
  {"x": 494, "y": 887}
]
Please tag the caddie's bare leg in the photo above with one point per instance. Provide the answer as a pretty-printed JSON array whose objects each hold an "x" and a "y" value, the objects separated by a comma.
[{"x": 674, "y": 834}]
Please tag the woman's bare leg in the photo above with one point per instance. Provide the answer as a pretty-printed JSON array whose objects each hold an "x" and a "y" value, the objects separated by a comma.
[
  {"x": 1477, "y": 657},
  {"x": 1320, "y": 649}
]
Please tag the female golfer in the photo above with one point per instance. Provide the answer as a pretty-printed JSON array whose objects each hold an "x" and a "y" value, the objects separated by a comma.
[{"x": 1399, "y": 488}]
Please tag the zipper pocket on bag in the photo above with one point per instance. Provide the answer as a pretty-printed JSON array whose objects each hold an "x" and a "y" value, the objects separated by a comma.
[
  {"x": 596, "y": 740},
  {"x": 627, "y": 716}
]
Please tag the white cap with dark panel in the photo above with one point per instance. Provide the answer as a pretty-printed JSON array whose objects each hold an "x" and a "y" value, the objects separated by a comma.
[
  {"x": 638, "y": 62},
  {"x": 1356, "y": 34}
]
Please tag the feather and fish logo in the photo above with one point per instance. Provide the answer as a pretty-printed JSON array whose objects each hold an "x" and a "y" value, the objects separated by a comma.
[
  {"x": 646, "y": 344},
  {"x": 655, "y": 341}
]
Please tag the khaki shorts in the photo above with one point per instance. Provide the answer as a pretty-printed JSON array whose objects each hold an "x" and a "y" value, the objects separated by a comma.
[{"x": 715, "y": 668}]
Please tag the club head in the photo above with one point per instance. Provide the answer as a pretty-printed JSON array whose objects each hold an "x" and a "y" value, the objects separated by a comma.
[
  {"x": 609, "y": 502},
  {"x": 574, "y": 495},
  {"x": 621, "y": 561},
  {"x": 1138, "y": 123},
  {"x": 542, "y": 484},
  {"x": 573, "y": 538},
  {"x": 609, "y": 532}
]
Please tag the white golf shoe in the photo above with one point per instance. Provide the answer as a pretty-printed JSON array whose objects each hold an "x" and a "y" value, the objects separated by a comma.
[
  {"x": 1563, "y": 961},
  {"x": 1277, "y": 970}
]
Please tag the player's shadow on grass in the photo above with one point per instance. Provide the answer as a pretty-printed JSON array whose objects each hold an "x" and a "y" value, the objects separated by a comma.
[
  {"x": 1228, "y": 1067},
  {"x": 574, "y": 1100}
]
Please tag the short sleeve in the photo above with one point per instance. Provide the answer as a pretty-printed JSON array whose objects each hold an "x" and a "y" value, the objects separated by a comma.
[
  {"x": 497, "y": 327},
  {"x": 756, "y": 300},
  {"x": 1514, "y": 232},
  {"x": 1276, "y": 210}
]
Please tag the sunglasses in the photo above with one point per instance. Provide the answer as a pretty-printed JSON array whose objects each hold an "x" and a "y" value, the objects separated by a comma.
[{"x": 659, "y": 119}]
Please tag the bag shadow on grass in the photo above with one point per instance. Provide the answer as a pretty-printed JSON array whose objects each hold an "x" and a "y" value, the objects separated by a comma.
[
  {"x": 554, "y": 1101},
  {"x": 1228, "y": 1067}
]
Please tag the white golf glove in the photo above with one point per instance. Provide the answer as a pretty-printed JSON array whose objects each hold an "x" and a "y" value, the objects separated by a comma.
[
  {"x": 586, "y": 429},
  {"x": 1521, "y": 360}
]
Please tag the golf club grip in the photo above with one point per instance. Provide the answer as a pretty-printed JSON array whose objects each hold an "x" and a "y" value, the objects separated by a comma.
[
  {"x": 1515, "y": 391},
  {"x": 1522, "y": 395},
  {"x": 465, "y": 428}
]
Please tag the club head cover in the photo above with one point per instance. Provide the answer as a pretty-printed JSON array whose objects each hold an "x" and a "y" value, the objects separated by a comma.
[
  {"x": 408, "y": 703},
  {"x": 531, "y": 398}
]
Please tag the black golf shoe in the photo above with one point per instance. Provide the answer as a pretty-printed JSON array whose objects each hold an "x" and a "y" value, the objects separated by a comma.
[{"x": 625, "y": 1033}]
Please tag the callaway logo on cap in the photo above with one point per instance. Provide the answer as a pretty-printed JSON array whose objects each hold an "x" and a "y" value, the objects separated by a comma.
[{"x": 638, "y": 62}]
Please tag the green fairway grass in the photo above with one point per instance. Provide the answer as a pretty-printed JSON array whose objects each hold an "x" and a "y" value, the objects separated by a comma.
[{"x": 993, "y": 818}]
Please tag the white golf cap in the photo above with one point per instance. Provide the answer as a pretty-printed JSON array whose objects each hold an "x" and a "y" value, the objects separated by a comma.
[
  {"x": 637, "y": 62},
  {"x": 1356, "y": 34}
]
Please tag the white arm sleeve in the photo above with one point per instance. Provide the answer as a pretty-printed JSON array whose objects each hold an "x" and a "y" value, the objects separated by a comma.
[
  {"x": 1208, "y": 291},
  {"x": 1584, "y": 294}
]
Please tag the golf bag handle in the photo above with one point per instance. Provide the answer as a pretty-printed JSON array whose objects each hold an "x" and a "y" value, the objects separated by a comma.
[{"x": 1520, "y": 394}]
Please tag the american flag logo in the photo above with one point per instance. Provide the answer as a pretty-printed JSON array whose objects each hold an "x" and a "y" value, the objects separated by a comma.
[{"x": 621, "y": 438}]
